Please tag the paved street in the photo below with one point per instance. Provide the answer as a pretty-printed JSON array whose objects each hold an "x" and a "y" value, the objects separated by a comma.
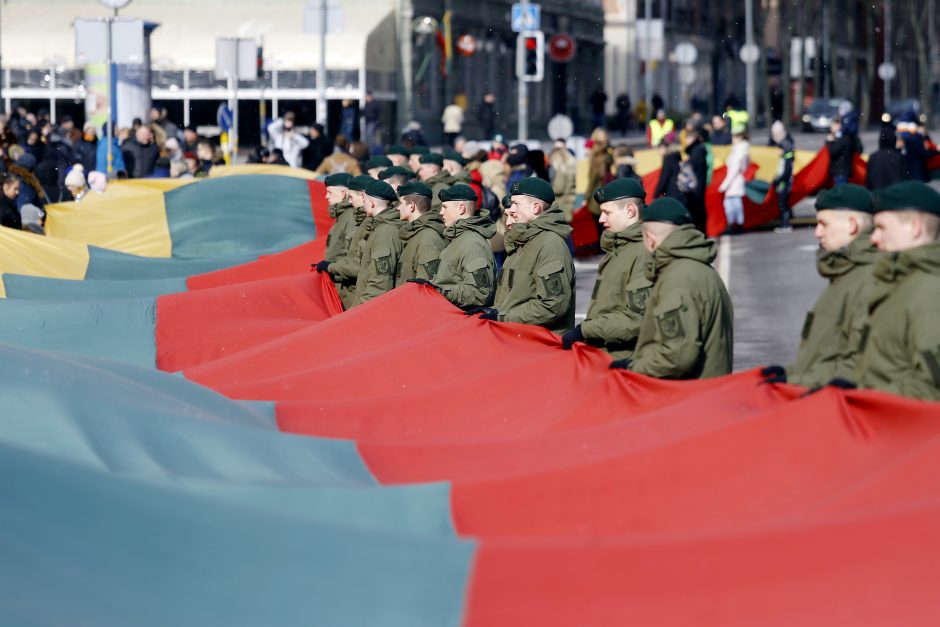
[{"x": 773, "y": 282}]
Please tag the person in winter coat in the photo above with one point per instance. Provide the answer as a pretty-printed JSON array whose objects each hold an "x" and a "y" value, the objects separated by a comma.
[
  {"x": 317, "y": 149},
  {"x": 900, "y": 346},
  {"x": 916, "y": 153},
  {"x": 733, "y": 185},
  {"x": 686, "y": 331},
  {"x": 695, "y": 176},
  {"x": 381, "y": 245},
  {"x": 452, "y": 119},
  {"x": 344, "y": 266},
  {"x": 536, "y": 284},
  {"x": 140, "y": 153},
  {"x": 86, "y": 149},
  {"x": 340, "y": 160},
  {"x": 599, "y": 174},
  {"x": 620, "y": 292},
  {"x": 886, "y": 165},
  {"x": 486, "y": 115},
  {"x": 564, "y": 178},
  {"x": 783, "y": 179},
  {"x": 668, "y": 183},
  {"x": 421, "y": 233},
  {"x": 9, "y": 212},
  {"x": 842, "y": 148},
  {"x": 832, "y": 330},
  {"x": 466, "y": 269},
  {"x": 284, "y": 135}
]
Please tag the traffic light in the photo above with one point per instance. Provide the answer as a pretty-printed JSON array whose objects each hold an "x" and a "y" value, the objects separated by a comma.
[
  {"x": 259, "y": 63},
  {"x": 530, "y": 56}
]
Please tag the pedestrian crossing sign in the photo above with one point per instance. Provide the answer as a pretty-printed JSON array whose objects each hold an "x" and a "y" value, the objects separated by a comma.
[{"x": 526, "y": 17}]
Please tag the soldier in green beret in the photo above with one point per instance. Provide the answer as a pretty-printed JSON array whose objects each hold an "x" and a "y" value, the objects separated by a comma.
[
  {"x": 421, "y": 234},
  {"x": 344, "y": 267},
  {"x": 398, "y": 154},
  {"x": 620, "y": 292},
  {"x": 381, "y": 246},
  {"x": 455, "y": 165},
  {"x": 536, "y": 284},
  {"x": 396, "y": 176},
  {"x": 431, "y": 171},
  {"x": 466, "y": 273},
  {"x": 831, "y": 331},
  {"x": 900, "y": 346},
  {"x": 414, "y": 157},
  {"x": 375, "y": 165},
  {"x": 686, "y": 332}
]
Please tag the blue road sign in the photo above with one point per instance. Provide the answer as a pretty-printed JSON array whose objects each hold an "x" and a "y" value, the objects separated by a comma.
[{"x": 530, "y": 19}]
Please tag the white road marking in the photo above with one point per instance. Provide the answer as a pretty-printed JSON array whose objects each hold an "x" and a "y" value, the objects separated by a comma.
[
  {"x": 724, "y": 260},
  {"x": 808, "y": 248}
]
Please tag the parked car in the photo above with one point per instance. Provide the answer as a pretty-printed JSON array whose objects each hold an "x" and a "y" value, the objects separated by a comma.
[
  {"x": 903, "y": 111},
  {"x": 820, "y": 113}
]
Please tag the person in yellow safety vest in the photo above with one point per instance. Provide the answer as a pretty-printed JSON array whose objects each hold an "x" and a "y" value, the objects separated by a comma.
[
  {"x": 738, "y": 119},
  {"x": 659, "y": 128}
]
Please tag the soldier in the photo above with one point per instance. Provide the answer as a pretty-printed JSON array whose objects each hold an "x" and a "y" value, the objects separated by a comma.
[
  {"x": 345, "y": 268},
  {"x": 621, "y": 290},
  {"x": 900, "y": 346},
  {"x": 536, "y": 284},
  {"x": 455, "y": 165},
  {"x": 414, "y": 157},
  {"x": 431, "y": 172},
  {"x": 398, "y": 154},
  {"x": 686, "y": 330},
  {"x": 466, "y": 274},
  {"x": 396, "y": 176},
  {"x": 832, "y": 329},
  {"x": 376, "y": 165},
  {"x": 381, "y": 247},
  {"x": 421, "y": 234}
]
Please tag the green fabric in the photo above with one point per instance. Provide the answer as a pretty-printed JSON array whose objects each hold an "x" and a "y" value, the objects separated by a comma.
[
  {"x": 255, "y": 213},
  {"x": 381, "y": 250},
  {"x": 422, "y": 243},
  {"x": 832, "y": 329},
  {"x": 440, "y": 181},
  {"x": 901, "y": 344},
  {"x": 536, "y": 284},
  {"x": 686, "y": 332},
  {"x": 620, "y": 293},
  {"x": 110, "y": 264},
  {"x": 24, "y": 287},
  {"x": 121, "y": 329},
  {"x": 341, "y": 232},
  {"x": 466, "y": 274},
  {"x": 345, "y": 269}
]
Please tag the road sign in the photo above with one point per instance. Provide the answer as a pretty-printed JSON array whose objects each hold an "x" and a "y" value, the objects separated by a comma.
[
  {"x": 887, "y": 71},
  {"x": 236, "y": 58},
  {"x": 750, "y": 53},
  {"x": 560, "y": 127},
  {"x": 313, "y": 13},
  {"x": 466, "y": 45},
  {"x": 561, "y": 48},
  {"x": 686, "y": 53},
  {"x": 528, "y": 19},
  {"x": 687, "y": 74}
]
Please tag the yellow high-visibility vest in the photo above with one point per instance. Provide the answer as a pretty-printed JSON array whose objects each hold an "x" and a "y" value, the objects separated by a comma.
[{"x": 659, "y": 130}]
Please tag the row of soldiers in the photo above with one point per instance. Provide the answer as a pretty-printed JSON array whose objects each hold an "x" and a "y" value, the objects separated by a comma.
[{"x": 658, "y": 306}]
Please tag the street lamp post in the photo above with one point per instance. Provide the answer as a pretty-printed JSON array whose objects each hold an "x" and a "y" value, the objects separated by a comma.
[{"x": 115, "y": 5}]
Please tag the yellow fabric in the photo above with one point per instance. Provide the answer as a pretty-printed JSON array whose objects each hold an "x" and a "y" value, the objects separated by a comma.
[
  {"x": 659, "y": 130},
  {"x": 765, "y": 157},
  {"x": 581, "y": 174},
  {"x": 164, "y": 185},
  {"x": 261, "y": 168},
  {"x": 128, "y": 217},
  {"x": 36, "y": 255}
]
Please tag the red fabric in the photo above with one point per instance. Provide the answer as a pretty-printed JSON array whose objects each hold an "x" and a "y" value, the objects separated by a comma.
[
  {"x": 195, "y": 327},
  {"x": 292, "y": 261},
  {"x": 600, "y": 496},
  {"x": 584, "y": 229}
]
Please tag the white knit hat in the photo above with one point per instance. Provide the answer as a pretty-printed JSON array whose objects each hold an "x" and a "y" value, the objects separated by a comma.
[{"x": 75, "y": 178}]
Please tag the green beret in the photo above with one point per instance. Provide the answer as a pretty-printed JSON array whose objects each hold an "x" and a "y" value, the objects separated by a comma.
[
  {"x": 453, "y": 155},
  {"x": 419, "y": 150},
  {"x": 397, "y": 149},
  {"x": 378, "y": 162},
  {"x": 460, "y": 191},
  {"x": 846, "y": 196},
  {"x": 340, "y": 179},
  {"x": 535, "y": 187},
  {"x": 667, "y": 210},
  {"x": 910, "y": 195},
  {"x": 414, "y": 188},
  {"x": 359, "y": 183},
  {"x": 432, "y": 158},
  {"x": 506, "y": 201},
  {"x": 395, "y": 170},
  {"x": 381, "y": 189},
  {"x": 620, "y": 188}
]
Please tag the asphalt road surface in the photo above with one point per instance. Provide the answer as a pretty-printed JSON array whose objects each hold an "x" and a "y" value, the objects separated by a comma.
[{"x": 772, "y": 281}]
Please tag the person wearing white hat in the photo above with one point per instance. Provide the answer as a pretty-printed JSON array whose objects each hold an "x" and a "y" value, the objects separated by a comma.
[{"x": 75, "y": 182}]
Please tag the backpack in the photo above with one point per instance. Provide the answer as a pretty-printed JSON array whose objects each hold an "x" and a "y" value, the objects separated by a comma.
[{"x": 687, "y": 181}]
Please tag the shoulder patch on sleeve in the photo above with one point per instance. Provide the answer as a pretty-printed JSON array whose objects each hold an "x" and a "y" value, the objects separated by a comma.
[{"x": 668, "y": 317}]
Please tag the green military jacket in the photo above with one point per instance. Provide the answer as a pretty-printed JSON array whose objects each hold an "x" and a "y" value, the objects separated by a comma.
[
  {"x": 422, "y": 242},
  {"x": 536, "y": 284},
  {"x": 380, "y": 251},
  {"x": 620, "y": 293},
  {"x": 686, "y": 331},
  {"x": 338, "y": 238},
  {"x": 900, "y": 346},
  {"x": 441, "y": 180},
  {"x": 831, "y": 332},
  {"x": 345, "y": 269},
  {"x": 466, "y": 274}
]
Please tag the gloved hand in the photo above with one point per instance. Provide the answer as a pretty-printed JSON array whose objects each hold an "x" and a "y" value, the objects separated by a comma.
[
  {"x": 773, "y": 374},
  {"x": 322, "y": 266},
  {"x": 572, "y": 336},
  {"x": 621, "y": 364},
  {"x": 842, "y": 384},
  {"x": 424, "y": 282},
  {"x": 486, "y": 313}
]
